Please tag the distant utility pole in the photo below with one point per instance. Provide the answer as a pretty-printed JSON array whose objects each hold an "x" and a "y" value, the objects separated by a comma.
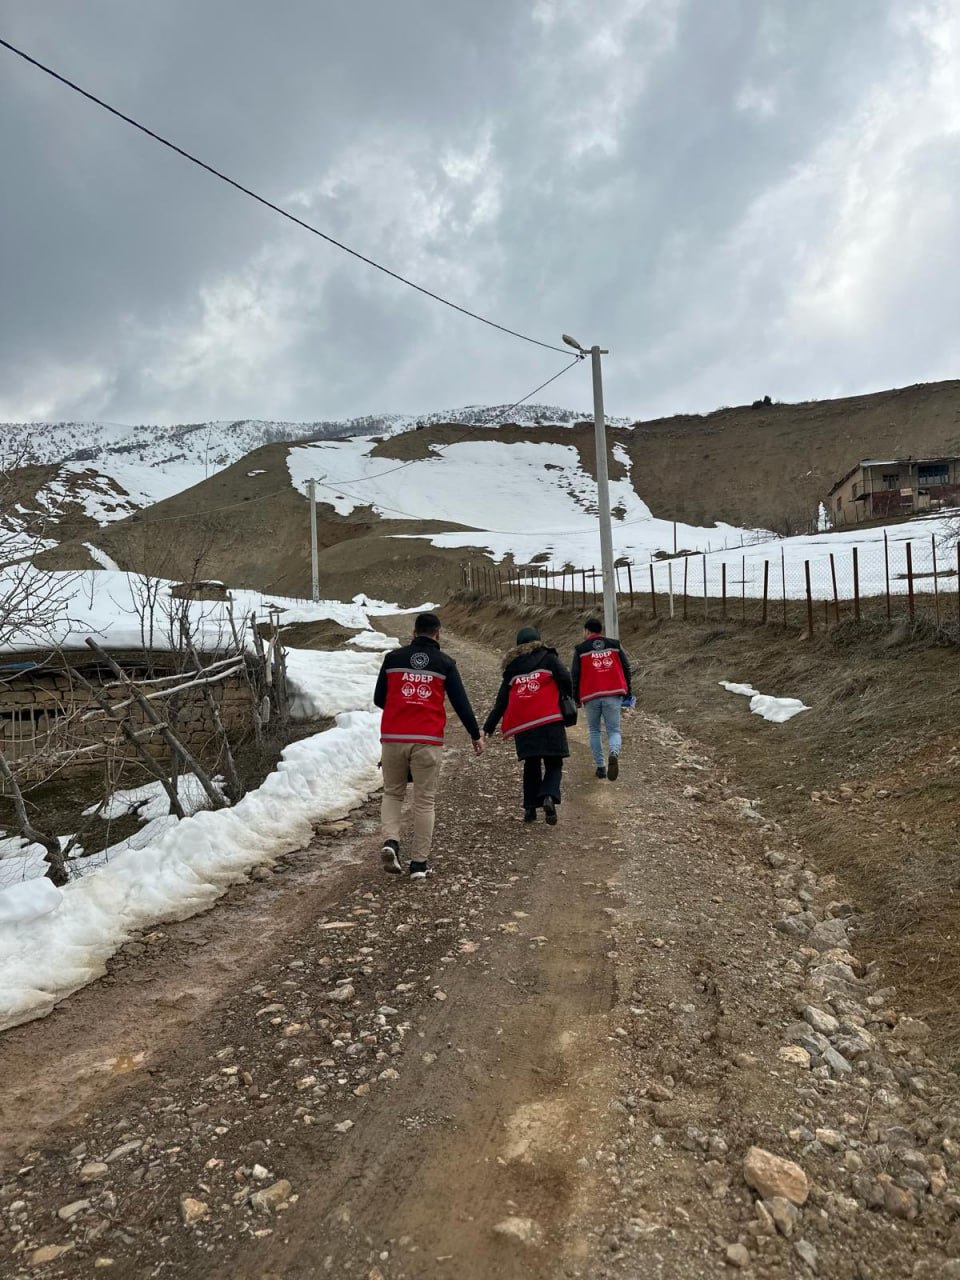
[
  {"x": 314, "y": 556},
  {"x": 611, "y": 621}
]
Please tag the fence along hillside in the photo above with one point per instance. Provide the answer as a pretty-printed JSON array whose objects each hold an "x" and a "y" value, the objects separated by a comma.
[{"x": 763, "y": 583}]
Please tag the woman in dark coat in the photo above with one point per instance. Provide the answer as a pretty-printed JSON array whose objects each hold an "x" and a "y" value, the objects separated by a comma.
[{"x": 529, "y": 705}]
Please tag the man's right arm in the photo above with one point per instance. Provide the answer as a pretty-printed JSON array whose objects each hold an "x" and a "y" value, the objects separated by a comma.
[
  {"x": 380, "y": 692},
  {"x": 461, "y": 703}
]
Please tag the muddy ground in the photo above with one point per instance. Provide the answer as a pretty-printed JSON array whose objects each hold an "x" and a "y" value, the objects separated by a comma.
[{"x": 551, "y": 1060}]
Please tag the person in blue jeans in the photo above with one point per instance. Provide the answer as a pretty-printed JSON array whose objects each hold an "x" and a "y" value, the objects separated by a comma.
[{"x": 600, "y": 671}]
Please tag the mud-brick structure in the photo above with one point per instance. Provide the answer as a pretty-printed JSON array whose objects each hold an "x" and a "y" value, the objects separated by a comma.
[{"x": 49, "y": 717}]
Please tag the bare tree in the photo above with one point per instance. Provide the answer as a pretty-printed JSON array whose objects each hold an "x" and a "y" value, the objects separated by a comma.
[{"x": 33, "y": 601}]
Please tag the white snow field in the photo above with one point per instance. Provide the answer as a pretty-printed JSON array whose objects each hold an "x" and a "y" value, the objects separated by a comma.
[
  {"x": 523, "y": 499},
  {"x": 880, "y": 551},
  {"x": 111, "y": 607}
]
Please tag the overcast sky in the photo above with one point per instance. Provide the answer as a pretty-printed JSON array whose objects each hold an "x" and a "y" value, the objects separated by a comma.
[{"x": 737, "y": 197}]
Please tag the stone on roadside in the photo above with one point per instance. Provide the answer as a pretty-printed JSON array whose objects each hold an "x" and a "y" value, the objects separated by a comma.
[
  {"x": 897, "y": 1202},
  {"x": 342, "y": 994},
  {"x": 837, "y": 1063},
  {"x": 795, "y": 1054},
  {"x": 738, "y": 1255},
  {"x": 192, "y": 1210},
  {"x": 828, "y": 934},
  {"x": 830, "y": 1139},
  {"x": 48, "y": 1253},
  {"x": 272, "y": 1197},
  {"x": 784, "y": 1214},
  {"x": 71, "y": 1210},
  {"x": 525, "y": 1231},
  {"x": 93, "y": 1171},
  {"x": 772, "y": 1176},
  {"x": 806, "y": 1253},
  {"x": 820, "y": 1020}
]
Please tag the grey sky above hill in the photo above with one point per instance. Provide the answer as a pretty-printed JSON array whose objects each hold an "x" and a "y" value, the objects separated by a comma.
[{"x": 737, "y": 197}]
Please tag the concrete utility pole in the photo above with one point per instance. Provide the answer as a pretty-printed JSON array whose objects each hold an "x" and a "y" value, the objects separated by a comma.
[
  {"x": 611, "y": 621},
  {"x": 314, "y": 557}
]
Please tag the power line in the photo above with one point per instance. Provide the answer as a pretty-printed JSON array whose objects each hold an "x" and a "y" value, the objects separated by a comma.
[{"x": 284, "y": 213}]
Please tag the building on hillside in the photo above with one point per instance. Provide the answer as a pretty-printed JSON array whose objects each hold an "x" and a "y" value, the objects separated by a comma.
[{"x": 881, "y": 489}]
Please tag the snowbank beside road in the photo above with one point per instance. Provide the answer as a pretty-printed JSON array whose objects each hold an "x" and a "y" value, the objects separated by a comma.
[
  {"x": 46, "y": 957},
  {"x": 324, "y": 684}
]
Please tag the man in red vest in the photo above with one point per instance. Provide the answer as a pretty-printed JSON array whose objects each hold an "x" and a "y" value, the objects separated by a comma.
[
  {"x": 601, "y": 680},
  {"x": 411, "y": 690}
]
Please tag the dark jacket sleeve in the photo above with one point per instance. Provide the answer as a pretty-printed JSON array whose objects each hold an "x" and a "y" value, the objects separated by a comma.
[
  {"x": 626, "y": 669},
  {"x": 561, "y": 675},
  {"x": 499, "y": 707},
  {"x": 380, "y": 692},
  {"x": 575, "y": 674},
  {"x": 461, "y": 703}
]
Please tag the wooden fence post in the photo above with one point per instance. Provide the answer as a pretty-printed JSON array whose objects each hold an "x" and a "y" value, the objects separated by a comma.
[
  {"x": 723, "y": 591},
  {"x": 743, "y": 585},
  {"x": 766, "y": 587},
  {"x": 783, "y": 582},
  {"x": 936, "y": 584},
  {"x": 630, "y": 581},
  {"x": 806, "y": 570},
  {"x": 836, "y": 598},
  {"x": 706, "y": 606},
  {"x": 653, "y": 594},
  {"x": 910, "y": 599},
  {"x": 856, "y": 584},
  {"x": 583, "y": 593},
  {"x": 686, "y": 566}
]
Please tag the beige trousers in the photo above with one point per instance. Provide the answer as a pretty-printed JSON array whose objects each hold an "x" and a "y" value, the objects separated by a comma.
[{"x": 422, "y": 762}]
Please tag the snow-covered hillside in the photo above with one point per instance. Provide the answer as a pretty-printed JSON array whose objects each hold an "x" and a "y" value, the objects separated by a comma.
[
  {"x": 208, "y": 446},
  {"x": 527, "y": 499},
  {"x": 108, "y": 471}
]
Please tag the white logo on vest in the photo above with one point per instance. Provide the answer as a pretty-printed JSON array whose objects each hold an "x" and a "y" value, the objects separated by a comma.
[{"x": 419, "y": 659}]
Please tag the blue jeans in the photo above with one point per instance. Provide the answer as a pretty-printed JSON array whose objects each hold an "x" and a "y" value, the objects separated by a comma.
[{"x": 608, "y": 711}]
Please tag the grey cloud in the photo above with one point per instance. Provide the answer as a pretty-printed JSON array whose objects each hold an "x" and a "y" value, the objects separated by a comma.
[{"x": 682, "y": 181}]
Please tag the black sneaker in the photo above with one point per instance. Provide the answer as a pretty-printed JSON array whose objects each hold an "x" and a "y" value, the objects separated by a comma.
[
  {"x": 390, "y": 857},
  {"x": 529, "y": 815},
  {"x": 550, "y": 811},
  {"x": 601, "y": 771},
  {"x": 613, "y": 768},
  {"x": 420, "y": 870}
]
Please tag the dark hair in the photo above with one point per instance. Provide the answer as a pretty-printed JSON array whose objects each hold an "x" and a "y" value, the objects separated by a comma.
[
  {"x": 427, "y": 624},
  {"x": 594, "y": 626}
]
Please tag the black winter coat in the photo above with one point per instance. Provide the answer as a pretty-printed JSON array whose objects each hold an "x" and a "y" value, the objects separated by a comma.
[{"x": 546, "y": 739}]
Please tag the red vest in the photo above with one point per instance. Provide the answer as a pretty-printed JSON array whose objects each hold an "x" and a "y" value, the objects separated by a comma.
[
  {"x": 415, "y": 709},
  {"x": 601, "y": 674},
  {"x": 534, "y": 700}
]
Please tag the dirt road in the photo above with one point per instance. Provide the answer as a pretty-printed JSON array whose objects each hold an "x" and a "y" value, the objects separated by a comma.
[{"x": 549, "y": 1061}]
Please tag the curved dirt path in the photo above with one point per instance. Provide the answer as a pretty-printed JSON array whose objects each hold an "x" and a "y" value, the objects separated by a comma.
[{"x": 552, "y": 1061}]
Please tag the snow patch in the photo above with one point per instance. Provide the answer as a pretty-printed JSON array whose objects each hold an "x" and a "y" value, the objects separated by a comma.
[{"x": 776, "y": 710}]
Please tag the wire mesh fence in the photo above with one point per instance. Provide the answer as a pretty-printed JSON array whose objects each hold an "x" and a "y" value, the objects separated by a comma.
[{"x": 813, "y": 587}]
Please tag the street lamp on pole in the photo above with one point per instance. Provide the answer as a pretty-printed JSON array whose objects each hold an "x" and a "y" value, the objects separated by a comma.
[{"x": 611, "y": 624}]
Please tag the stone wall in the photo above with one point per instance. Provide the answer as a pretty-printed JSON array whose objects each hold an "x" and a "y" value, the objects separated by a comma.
[{"x": 41, "y": 712}]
